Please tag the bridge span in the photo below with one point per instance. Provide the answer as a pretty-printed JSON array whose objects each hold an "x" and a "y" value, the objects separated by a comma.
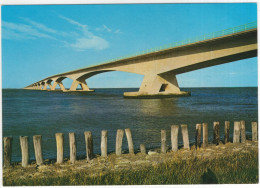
[{"x": 161, "y": 66}]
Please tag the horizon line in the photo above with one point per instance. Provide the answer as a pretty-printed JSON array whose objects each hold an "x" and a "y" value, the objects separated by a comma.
[{"x": 138, "y": 87}]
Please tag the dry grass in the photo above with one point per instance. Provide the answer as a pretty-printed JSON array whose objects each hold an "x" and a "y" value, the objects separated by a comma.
[{"x": 229, "y": 168}]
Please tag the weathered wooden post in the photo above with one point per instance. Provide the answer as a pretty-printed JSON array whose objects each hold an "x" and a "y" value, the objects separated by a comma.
[
  {"x": 142, "y": 148},
  {"x": 216, "y": 138},
  {"x": 174, "y": 137},
  {"x": 163, "y": 141},
  {"x": 73, "y": 148},
  {"x": 37, "y": 143},
  {"x": 89, "y": 145},
  {"x": 254, "y": 131},
  {"x": 129, "y": 140},
  {"x": 104, "y": 143},
  {"x": 185, "y": 136},
  {"x": 119, "y": 140},
  {"x": 25, "y": 150},
  {"x": 7, "y": 151},
  {"x": 59, "y": 144},
  {"x": 227, "y": 129},
  {"x": 205, "y": 135},
  {"x": 198, "y": 135},
  {"x": 236, "y": 134},
  {"x": 243, "y": 131}
]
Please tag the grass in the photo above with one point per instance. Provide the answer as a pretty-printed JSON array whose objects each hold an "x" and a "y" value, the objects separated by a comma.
[{"x": 234, "y": 168}]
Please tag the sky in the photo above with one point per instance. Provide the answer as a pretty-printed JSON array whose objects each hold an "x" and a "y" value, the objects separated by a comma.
[{"x": 42, "y": 40}]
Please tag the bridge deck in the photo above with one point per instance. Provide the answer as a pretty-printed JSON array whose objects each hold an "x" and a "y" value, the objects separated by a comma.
[{"x": 166, "y": 49}]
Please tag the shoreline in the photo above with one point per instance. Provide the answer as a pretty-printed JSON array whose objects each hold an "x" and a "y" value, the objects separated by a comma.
[{"x": 113, "y": 164}]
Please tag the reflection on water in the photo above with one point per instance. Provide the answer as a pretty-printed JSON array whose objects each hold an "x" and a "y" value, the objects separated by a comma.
[
  {"x": 27, "y": 113},
  {"x": 159, "y": 107}
]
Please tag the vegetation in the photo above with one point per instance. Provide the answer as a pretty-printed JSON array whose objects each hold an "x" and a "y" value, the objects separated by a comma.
[{"x": 227, "y": 169}]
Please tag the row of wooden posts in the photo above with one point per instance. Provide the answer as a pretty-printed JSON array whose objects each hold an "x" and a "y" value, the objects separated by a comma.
[{"x": 239, "y": 133}]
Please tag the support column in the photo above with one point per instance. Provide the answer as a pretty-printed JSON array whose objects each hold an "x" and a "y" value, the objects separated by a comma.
[
  {"x": 83, "y": 85},
  {"x": 54, "y": 86},
  {"x": 50, "y": 86},
  {"x": 42, "y": 87},
  {"x": 58, "y": 83},
  {"x": 45, "y": 86},
  {"x": 157, "y": 85},
  {"x": 62, "y": 86},
  {"x": 48, "y": 83}
]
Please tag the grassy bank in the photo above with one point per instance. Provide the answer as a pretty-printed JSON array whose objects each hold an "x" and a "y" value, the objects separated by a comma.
[{"x": 232, "y": 168}]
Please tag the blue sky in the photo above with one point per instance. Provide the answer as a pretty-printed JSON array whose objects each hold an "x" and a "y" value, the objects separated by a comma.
[{"x": 42, "y": 40}]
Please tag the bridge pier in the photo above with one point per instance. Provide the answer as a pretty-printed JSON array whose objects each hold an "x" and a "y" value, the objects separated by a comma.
[
  {"x": 60, "y": 84},
  {"x": 47, "y": 83},
  {"x": 42, "y": 86},
  {"x": 162, "y": 85},
  {"x": 82, "y": 84},
  {"x": 45, "y": 86}
]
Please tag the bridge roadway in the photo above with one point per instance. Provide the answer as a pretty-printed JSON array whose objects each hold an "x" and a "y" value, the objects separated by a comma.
[{"x": 161, "y": 67}]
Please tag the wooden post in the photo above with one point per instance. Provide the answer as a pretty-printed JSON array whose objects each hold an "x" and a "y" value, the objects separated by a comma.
[
  {"x": 73, "y": 148},
  {"x": 174, "y": 137},
  {"x": 185, "y": 136},
  {"x": 243, "y": 131},
  {"x": 89, "y": 145},
  {"x": 227, "y": 128},
  {"x": 142, "y": 148},
  {"x": 198, "y": 135},
  {"x": 216, "y": 138},
  {"x": 205, "y": 135},
  {"x": 59, "y": 144},
  {"x": 37, "y": 143},
  {"x": 7, "y": 151},
  {"x": 163, "y": 141},
  {"x": 254, "y": 131},
  {"x": 129, "y": 140},
  {"x": 236, "y": 134},
  {"x": 25, "y": 150},
  {"x": 119, "y": 140},
  {"x": 104, "y": 143}
]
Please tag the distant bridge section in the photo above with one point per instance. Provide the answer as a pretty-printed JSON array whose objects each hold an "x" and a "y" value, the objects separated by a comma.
[{"x": 161, "y": 66}]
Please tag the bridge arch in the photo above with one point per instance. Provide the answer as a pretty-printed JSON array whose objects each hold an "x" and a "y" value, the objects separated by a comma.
[
  {"x": 59, "y": 82},
  {"x": 42, "y": 85},
  {"x": 113, "y": 79},
  {"x": 87, "y": 75}
]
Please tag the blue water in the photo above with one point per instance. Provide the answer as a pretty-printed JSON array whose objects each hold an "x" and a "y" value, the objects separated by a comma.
[{"x": 31, "y": 112}]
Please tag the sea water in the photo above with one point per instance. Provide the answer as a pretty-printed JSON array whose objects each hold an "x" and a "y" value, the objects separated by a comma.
[{"x": 33, "y": 112}]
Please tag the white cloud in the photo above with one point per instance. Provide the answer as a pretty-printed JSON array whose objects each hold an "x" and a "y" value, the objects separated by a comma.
[
  {"x": 80, "y": 39},
  {"x": 73, "y": 21},
  {"x": 11, "y": 34},
  {"x": 88, "y": 40},
  {"x": 118, "y": 31},
  {"x": 68, "y": 34},
  {"x": 39, "y": 26},
  {"x": 19, "y": 31},
  {"x": 106, "y": 28},
  {"x": 81, "y": 27},
  {"x": 94, "y": 42}
]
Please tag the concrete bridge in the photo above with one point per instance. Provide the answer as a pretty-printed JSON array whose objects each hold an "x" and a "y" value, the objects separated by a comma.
[{"x": 161, "y": 66}]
